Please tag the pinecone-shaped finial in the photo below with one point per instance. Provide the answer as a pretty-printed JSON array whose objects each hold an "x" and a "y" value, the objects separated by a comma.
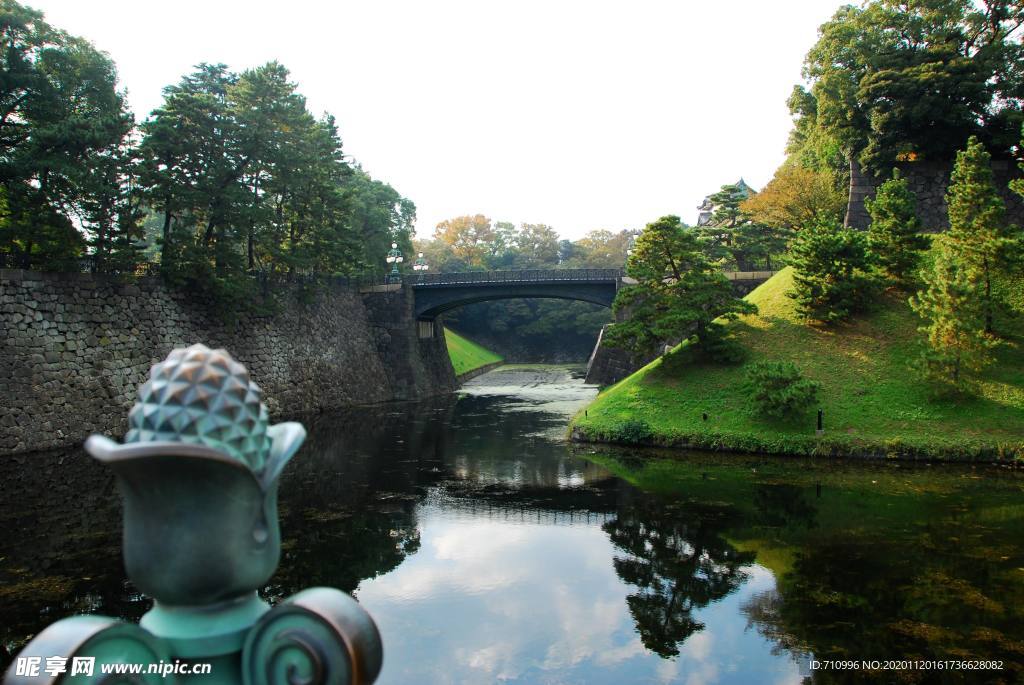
[{"x": 202, "y": 396}]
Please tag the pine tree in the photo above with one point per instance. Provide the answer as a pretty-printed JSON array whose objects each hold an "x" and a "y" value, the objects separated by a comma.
[
  {"x": 951, "y": 305},
  {"x": 833, "y": 271},
  {"x": 731, "y": 237},
  {"x": 979, "y": 236},
  {"x": 679, "y": 293},
  {"x": 893, "y": 235},
  {"x": 717, "y": 236}
]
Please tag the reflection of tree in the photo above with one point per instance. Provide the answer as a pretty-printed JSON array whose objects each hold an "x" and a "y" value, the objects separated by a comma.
[
  {"x": 341, "y": 550},
  {"x": 348, "y": 500},
  {"x": 679, "y": 563},
  {"x": 764, "y": 614},
  {"x": 876, "y": 594},
  {"x": 783, "y": 505}
]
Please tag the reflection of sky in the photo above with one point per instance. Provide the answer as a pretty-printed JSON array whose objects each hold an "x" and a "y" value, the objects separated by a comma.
[{"x": 494, "y": 600}]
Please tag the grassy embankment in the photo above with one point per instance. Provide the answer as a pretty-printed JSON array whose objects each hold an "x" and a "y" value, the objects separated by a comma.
[
  {"x": 465, "y": 354},
  {"x": 874, "y": 403}
]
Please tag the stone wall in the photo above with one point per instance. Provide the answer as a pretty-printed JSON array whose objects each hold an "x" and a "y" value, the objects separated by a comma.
[
  {"x": 416, "y": 367},
  {"x": 74, "y": 348},
  {"x": 608, "y": 365},
  {"x": 929, "y": 181}
]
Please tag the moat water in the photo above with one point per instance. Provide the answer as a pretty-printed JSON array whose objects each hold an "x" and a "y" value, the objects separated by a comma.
[{"x": 489, "y": 549}]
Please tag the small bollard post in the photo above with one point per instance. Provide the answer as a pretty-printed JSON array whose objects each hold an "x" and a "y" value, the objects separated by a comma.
[
  {"x": 821, "y": 423},
  {"x": 198, "y": 473}
]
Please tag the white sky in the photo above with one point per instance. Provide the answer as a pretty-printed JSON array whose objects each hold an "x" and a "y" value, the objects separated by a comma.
[{"x": 581, "y": 115}]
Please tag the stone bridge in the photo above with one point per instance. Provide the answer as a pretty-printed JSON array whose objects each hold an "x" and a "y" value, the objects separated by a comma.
[
  {"x": 437, "y": 293},
  {"x": 440, "y": 292}
]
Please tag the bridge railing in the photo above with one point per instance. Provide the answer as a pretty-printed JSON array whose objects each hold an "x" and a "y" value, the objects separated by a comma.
[
  {"x": 513, "y": 276},
  {"x": 749, "y": 275}
]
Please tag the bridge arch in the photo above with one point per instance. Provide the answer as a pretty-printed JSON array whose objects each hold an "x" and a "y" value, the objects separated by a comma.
[{"x": 438, "y": 293}]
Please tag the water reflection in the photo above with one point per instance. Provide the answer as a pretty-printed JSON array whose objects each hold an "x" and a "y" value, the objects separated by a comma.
[
  {"x": 489, "y": 549},
  {"x": 871, "y": 561},
  {"x": 676, "y": 557}
]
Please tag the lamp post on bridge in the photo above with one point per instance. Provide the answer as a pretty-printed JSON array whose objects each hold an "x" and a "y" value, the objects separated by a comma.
[
  {"x": 420, "y": 264},
  {"x": 394, "y": 258}
]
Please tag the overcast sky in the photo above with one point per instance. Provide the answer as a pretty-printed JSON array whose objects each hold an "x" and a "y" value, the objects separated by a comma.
[{"x": 581, "y": 115}]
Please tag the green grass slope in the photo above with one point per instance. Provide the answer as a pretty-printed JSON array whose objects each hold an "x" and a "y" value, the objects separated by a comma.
[
  {"x": 465, "y": 354},
  {"x": 874, "y": 403}
]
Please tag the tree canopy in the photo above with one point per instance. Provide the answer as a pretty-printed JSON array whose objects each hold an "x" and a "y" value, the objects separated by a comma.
[
  {"x": 914, "y": 79},
  {"x": 63, "y": 136},
  {"x": 231, "y": 176}
]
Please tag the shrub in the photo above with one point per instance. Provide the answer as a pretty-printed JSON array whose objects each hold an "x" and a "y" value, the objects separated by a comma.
[
  {"x": 833, "y": 277},
  {"x": 632, "y": 432},
  {"x": 778, "y": 389}
]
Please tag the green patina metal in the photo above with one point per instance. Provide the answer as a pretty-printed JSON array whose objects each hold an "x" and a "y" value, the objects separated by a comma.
[
  {"x": 197, "y": 396},
  {"x": 394, "y": 258},
  {"x": 198, "y": 473}
]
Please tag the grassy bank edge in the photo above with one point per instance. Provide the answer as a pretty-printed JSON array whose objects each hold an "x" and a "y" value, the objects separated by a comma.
[{"x": 812, "y": 446}]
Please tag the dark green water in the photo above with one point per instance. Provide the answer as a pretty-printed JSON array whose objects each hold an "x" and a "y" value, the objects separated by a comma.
[{"x": 489, "y": 550}]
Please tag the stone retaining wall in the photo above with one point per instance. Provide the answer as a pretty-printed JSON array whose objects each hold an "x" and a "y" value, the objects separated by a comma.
[
  {"x": 74, "y": 348},
  {"x": 929, "y": 182}
]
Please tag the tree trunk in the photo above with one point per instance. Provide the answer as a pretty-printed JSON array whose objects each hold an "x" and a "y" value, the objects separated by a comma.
[
  {"x": 988, "y": 296},
  {"x": 252, "y": 224},
  {"x": 165, "y": 247}
]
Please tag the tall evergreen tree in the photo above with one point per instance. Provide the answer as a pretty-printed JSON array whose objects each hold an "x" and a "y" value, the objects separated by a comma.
[
  {"x": 978, "y": 232},
  {"x": 732, "y": 237},
  {"x": 193, "y": 168},
  {"x": 112, "y": 209},
  {"x": 951, "y": 304},
  {"x": 248, "y": 181},
  {"x": 61, "y": 117},
  {"x": 378, "y": 216},
  {"x": 832, "y": 278},
  {"x": 679, "y": 293},
  {"x": 894, "y": 234}
]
